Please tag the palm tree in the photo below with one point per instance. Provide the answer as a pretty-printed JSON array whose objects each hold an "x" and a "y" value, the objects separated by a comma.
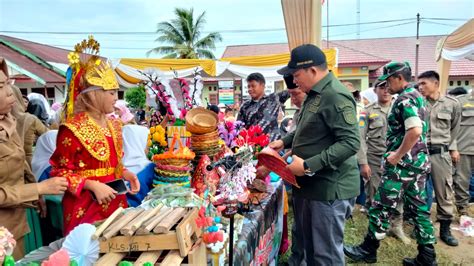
[{"x": 181, "y": 37}]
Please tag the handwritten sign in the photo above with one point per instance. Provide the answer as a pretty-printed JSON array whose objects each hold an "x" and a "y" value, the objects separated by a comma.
[{"x": 139, "y": 243}]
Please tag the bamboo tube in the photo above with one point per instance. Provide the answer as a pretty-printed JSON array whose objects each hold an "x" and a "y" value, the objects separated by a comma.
[
  {"x": 115, "y": 227},
  {"x": 165, "y": 225},
  {"x": 145, "y": 218},
  {"x": 107, "y": 222},
  {"x": 133, "y": 225},
  {"x": 153, "y": 222}
]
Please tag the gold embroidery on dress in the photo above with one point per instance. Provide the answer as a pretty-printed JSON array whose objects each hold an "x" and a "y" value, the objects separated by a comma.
[
  {"x": 63, "y": 161},
  {"x": 80, "y": 212},
  {"x": 105, "y": 207},
  {"x": 91, "y": 137},
  {"x": 67, "y": 142}
]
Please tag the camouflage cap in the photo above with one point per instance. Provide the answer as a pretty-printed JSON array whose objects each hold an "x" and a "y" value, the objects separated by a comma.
[{"x": 392, "y": 68}]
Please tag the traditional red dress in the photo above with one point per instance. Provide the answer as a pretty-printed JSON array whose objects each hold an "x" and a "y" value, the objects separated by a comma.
[{"x": 87, "y": 151}]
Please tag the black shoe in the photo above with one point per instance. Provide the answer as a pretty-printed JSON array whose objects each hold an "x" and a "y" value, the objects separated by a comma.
[
  {"x": 426, "y": 256},
  {"x": 366, "y": 252},
  {"x": 445, "y": 233}
]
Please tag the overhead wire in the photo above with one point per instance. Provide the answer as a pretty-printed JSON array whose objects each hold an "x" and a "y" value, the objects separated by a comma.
[{"x": 408, "y": 21}]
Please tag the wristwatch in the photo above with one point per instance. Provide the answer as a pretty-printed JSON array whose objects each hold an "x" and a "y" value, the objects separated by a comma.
[{"x": 307, "y": 171}]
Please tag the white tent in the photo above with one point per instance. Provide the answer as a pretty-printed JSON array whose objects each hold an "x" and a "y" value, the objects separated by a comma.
[{"x": 455, "y": 46}]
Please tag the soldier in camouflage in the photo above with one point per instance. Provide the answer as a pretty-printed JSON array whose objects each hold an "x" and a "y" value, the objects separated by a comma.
[
  {"x": 406, "y": 164},
  {"x": 373, "y": 131}
]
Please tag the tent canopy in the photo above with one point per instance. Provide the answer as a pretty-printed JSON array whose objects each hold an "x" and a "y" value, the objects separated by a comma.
[
  {"x": 128, "y": 69},
  {"x": 456, "y": 46}
]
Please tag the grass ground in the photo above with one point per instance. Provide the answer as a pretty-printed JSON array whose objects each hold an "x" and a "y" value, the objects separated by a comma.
[{"x": 392, "y": 251}]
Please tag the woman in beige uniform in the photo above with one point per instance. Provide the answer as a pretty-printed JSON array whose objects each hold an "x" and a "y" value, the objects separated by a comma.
[
  {"x": 18, "y": 189},
  {"x": 28, "y": 126}
]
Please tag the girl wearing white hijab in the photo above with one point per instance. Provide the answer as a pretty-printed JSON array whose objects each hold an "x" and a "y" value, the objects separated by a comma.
[
  {"x": 45, "y": 146},
  {"x": 134, "y": 145}
]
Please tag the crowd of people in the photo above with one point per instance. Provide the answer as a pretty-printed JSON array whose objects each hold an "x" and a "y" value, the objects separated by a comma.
[{"x": 390, "y": 154}]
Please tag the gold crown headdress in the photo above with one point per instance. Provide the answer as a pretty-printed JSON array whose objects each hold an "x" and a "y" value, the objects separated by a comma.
[{"x": 85, "y": 63}]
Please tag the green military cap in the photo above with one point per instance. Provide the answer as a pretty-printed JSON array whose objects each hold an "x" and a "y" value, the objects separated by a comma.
[{"x": 392, "y": 68}]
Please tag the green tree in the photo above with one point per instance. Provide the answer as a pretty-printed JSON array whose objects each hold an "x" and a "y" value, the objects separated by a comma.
[
  {"x": 181, "y": 37},
  {"x": 136, "y": 97}
]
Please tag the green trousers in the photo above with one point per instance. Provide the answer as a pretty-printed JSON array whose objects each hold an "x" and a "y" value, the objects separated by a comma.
[{"x": 397, "y": 184}]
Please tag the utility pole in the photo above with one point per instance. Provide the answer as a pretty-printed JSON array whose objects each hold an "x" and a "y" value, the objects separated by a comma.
[
  {"x": 358, "y": 19},
  {"x": 327, "y": 24},
  {"x": 417, "y": 44}
]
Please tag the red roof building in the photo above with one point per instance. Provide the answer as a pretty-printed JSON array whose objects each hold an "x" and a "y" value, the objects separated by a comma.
[
  {"x": 35, "y": 67},
  {"x": 371, "y": 54}
]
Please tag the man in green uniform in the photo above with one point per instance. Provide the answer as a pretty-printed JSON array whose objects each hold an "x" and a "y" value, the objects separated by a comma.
[
  {"x": 406, "y": 165},
  {"x": 444, "y": 115},
  {"x": 465, "y": 141},
  {"x": 373, "y": 131},
  {"x": 324, "y": 145}
]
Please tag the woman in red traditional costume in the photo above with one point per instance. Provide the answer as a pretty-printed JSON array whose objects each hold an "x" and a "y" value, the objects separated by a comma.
[{"x": 89, "y": 145}]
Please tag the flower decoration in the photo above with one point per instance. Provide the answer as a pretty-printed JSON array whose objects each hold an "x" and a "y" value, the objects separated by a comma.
[
  {"x": 255, "y": 137},
  {"x": 7, "y": 243},
  {"x": 229, "y": 131},
  {"x": 157, "y": 143},
  {"x": 174, "y": 95},
  {"x": 73, "y": 58},
  {"x": 211, "y": 226}
]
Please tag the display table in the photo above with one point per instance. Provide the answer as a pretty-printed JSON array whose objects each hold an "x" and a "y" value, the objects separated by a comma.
[{"x": 259, "y": 241}]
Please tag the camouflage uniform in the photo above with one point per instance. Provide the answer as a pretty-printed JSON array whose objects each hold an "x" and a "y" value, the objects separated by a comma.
[
  {"x": 407, "y": 179},
  {"x": 264, "y": 113}
]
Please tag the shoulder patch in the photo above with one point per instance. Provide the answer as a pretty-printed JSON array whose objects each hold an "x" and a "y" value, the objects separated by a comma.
[
  {"x": 350, "y": 117},
  {"x": 344, "y": 105}
]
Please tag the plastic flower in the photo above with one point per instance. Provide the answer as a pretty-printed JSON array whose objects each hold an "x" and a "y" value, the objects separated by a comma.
[
  {"x": 156, "y": 136},
  {"x": 159, "y": 129},
  {"x": 73, "y": 58}
]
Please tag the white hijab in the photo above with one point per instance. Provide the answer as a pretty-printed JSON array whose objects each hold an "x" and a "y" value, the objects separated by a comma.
[
  {"x": 45, "y": 147},
  {"x": 134, "y": 144}
]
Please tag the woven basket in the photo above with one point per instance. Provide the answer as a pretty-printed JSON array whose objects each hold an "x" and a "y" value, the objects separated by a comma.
[
  {"x": 179, "y": 157},
  {"x": 173, "y": 168},
  {"x": 166, "y": 173},
  {"x": 200, "y": 121},
  {"x": 213, "y": 135},
  {"x": 199, "y": 129}
]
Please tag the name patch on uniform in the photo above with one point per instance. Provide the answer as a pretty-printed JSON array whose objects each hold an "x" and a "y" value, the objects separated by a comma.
[{"x": 373, "y": 115}]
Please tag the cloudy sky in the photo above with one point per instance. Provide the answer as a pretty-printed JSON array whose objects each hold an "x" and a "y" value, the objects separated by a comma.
[{"x": 239, "y": 21}]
